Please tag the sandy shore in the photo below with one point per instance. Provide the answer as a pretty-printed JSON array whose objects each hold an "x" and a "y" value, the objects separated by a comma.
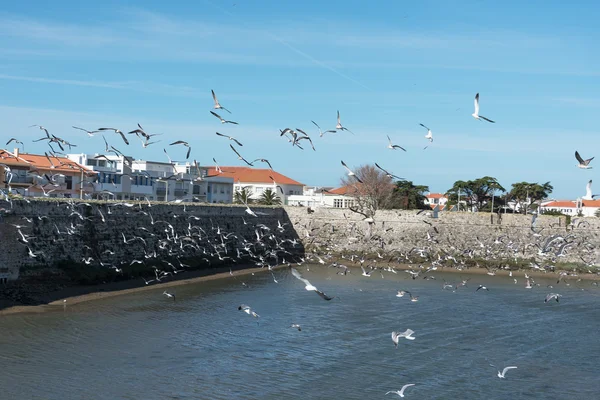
[{"x": 69, "y": 296}]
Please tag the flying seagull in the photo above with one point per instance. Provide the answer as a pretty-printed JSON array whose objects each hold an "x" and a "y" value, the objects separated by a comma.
[
  {"x": 501, "y": 374},
  {"x": 264, "y": 160},
  {"x": 169, "y": 295},
  {"x": 401, "y": 391},
  {"x": 217, "y": 105},
  {"x": 393, "y": 146},
  {"x": 116, "y": 131},
  {"x": 248, "y": 310},
  {"x": 239, "y": 155},
  {"x": 583, "y": 164},
  {"x": 350, "y": 173},
  {"x": 429, "y": 135},
  {"x": 321, "y": 133},
  {"x": 230, "y": 138},
  {"x": 223, "y": 121},
  {"x": 90, "y": 133},
  {"x": 308, "y": 285},
  {"x": 476, "y": 113},
  {"x": 551, "y": 296},
  {"x": 389, "y": 175},
  {"x": 406, "y": 334},
  {"x": 186, "y": 144},
  {"x": 339, "y": 124},
  {"x": 588, "y": 192}
]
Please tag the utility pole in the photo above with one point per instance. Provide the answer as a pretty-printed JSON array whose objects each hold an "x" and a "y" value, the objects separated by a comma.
[{"x": 458, "y": 203}]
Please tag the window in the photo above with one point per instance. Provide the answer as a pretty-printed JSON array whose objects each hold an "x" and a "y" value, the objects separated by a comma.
[
  {"x": 259, "y": 190},
  {"x": 290, "y": 192},
  {"x": 209, "y": 189},
  {"x": 338, "y": 203}
]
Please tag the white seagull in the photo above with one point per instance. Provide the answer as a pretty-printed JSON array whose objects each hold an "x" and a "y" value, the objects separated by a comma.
[
  {"x": 551, "y": 296},
  {"x": 501, "y": 374},
  {"x": 401, "y": 391},
  {"x": 588, "y": 192},
  {"x": 393, "y": 146},
  {"x": 476, "y": 113},
  {"x": 223, "y": 121},
  {"x": 321, "y": 133},
  {"x": 350, "y": 172},
  {"x": 429, "y": 135},
  {"x": 583, "y": 164},
  {"x": 339, "y": 124},
  {"x": 308, "y": 286},
  {"x": 248, "y": 310},
  {"x": 217, "y": 105},
  {"x": 406, "y": 334}
]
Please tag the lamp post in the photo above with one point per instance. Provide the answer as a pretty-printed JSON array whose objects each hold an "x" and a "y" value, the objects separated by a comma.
[
  {"x": 81, "y": 186},
  {"x": 458, "y": 203}
]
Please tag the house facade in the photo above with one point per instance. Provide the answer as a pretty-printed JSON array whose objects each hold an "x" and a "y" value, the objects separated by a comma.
[
  {"x": 436, "y": 199},
  {"x": 34, "y": 175},
  {"x": 257, "y": 180},
  {"x": 579, "y": 207}
]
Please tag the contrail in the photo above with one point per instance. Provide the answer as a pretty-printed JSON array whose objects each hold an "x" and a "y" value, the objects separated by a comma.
[{"x": 298, "y": 51}]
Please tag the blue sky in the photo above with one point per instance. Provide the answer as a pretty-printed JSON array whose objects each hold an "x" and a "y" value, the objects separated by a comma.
[{"x": 386, "y": 65}]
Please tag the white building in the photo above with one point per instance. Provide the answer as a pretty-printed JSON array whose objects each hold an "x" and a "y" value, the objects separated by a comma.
[
  {"x": 435, "y": 199},
  {"x": 258, "y": 180},
  {"x": 585, "y": 208},
  {"x": 122, "y": 178},
  {"x": 323, "y": 197}
]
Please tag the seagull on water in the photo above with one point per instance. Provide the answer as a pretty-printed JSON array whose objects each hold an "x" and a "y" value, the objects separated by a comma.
[
  {"x": 476, "y": 113},
  {"x": 308, "y": 286},
  {"x": 401, "y": 293},
  {"x": 551, "y": 296},
  {"x": 583, "y": 164},
  {"x": 350, "y": 172},
  {"x": 223, "y": 121},
  {"x": 401, "y": 391},
  {"x": 339, "y": 124},
  {"x": 217, "y": 105},
  {"x": 393, "y": 146},
  {"x": 501, "y": 374},
  {"x": 297, "y": 326},
  {"x": 429, "y": 135}
]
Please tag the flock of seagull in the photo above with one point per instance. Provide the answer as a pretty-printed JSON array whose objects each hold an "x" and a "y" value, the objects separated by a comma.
[{"x": 163, "y": 245}]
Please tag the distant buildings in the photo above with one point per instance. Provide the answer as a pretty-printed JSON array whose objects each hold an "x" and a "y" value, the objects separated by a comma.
[
  {"x": 257, "y": 180},
  {"x": 436, "y": 199},
  {"x": 35, "y": 175},
  {"x": 579, "y": 207}
]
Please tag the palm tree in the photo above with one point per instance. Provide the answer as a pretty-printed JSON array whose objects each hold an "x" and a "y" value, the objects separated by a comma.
[
  {"x": 242, "y": 196},
  {"x": 269, "y": 198}
]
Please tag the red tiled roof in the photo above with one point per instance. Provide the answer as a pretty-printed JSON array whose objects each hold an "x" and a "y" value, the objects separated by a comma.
[
  {"x": 435, "y": 195},
  {"x": 561, "y": 204},
  {"x": 41, "y": 162},
  {"x": 253, "y": 175},
  {"x": 591, "y": 203},
  {"x": 339, "y": 191}
]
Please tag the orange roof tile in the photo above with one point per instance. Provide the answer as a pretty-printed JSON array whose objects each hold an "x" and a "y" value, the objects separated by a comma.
[
  {"x": 561, "y": 204},
  {"x": 591, "y": 203},
  {"x": 41, "y": 162},
  {"x": 254, "y": 175},
  {"x": 339, "y": 191},
  {"x": 435, "y": 195}
]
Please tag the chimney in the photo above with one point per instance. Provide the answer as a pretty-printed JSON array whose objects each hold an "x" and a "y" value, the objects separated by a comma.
[{"x": 16, "y": 151}]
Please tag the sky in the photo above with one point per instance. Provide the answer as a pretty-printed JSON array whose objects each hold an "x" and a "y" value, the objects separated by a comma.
[{"x": 387, "y": 66}]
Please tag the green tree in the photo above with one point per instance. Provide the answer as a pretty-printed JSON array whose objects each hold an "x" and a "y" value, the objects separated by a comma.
[
  {"x": 408, "y": 196},
  {"x": 242, "y": 196},
  {"x": 269, "y": 198},
  {"x": 476, "y": 193},
  {"x": 525, "y": 193}
]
